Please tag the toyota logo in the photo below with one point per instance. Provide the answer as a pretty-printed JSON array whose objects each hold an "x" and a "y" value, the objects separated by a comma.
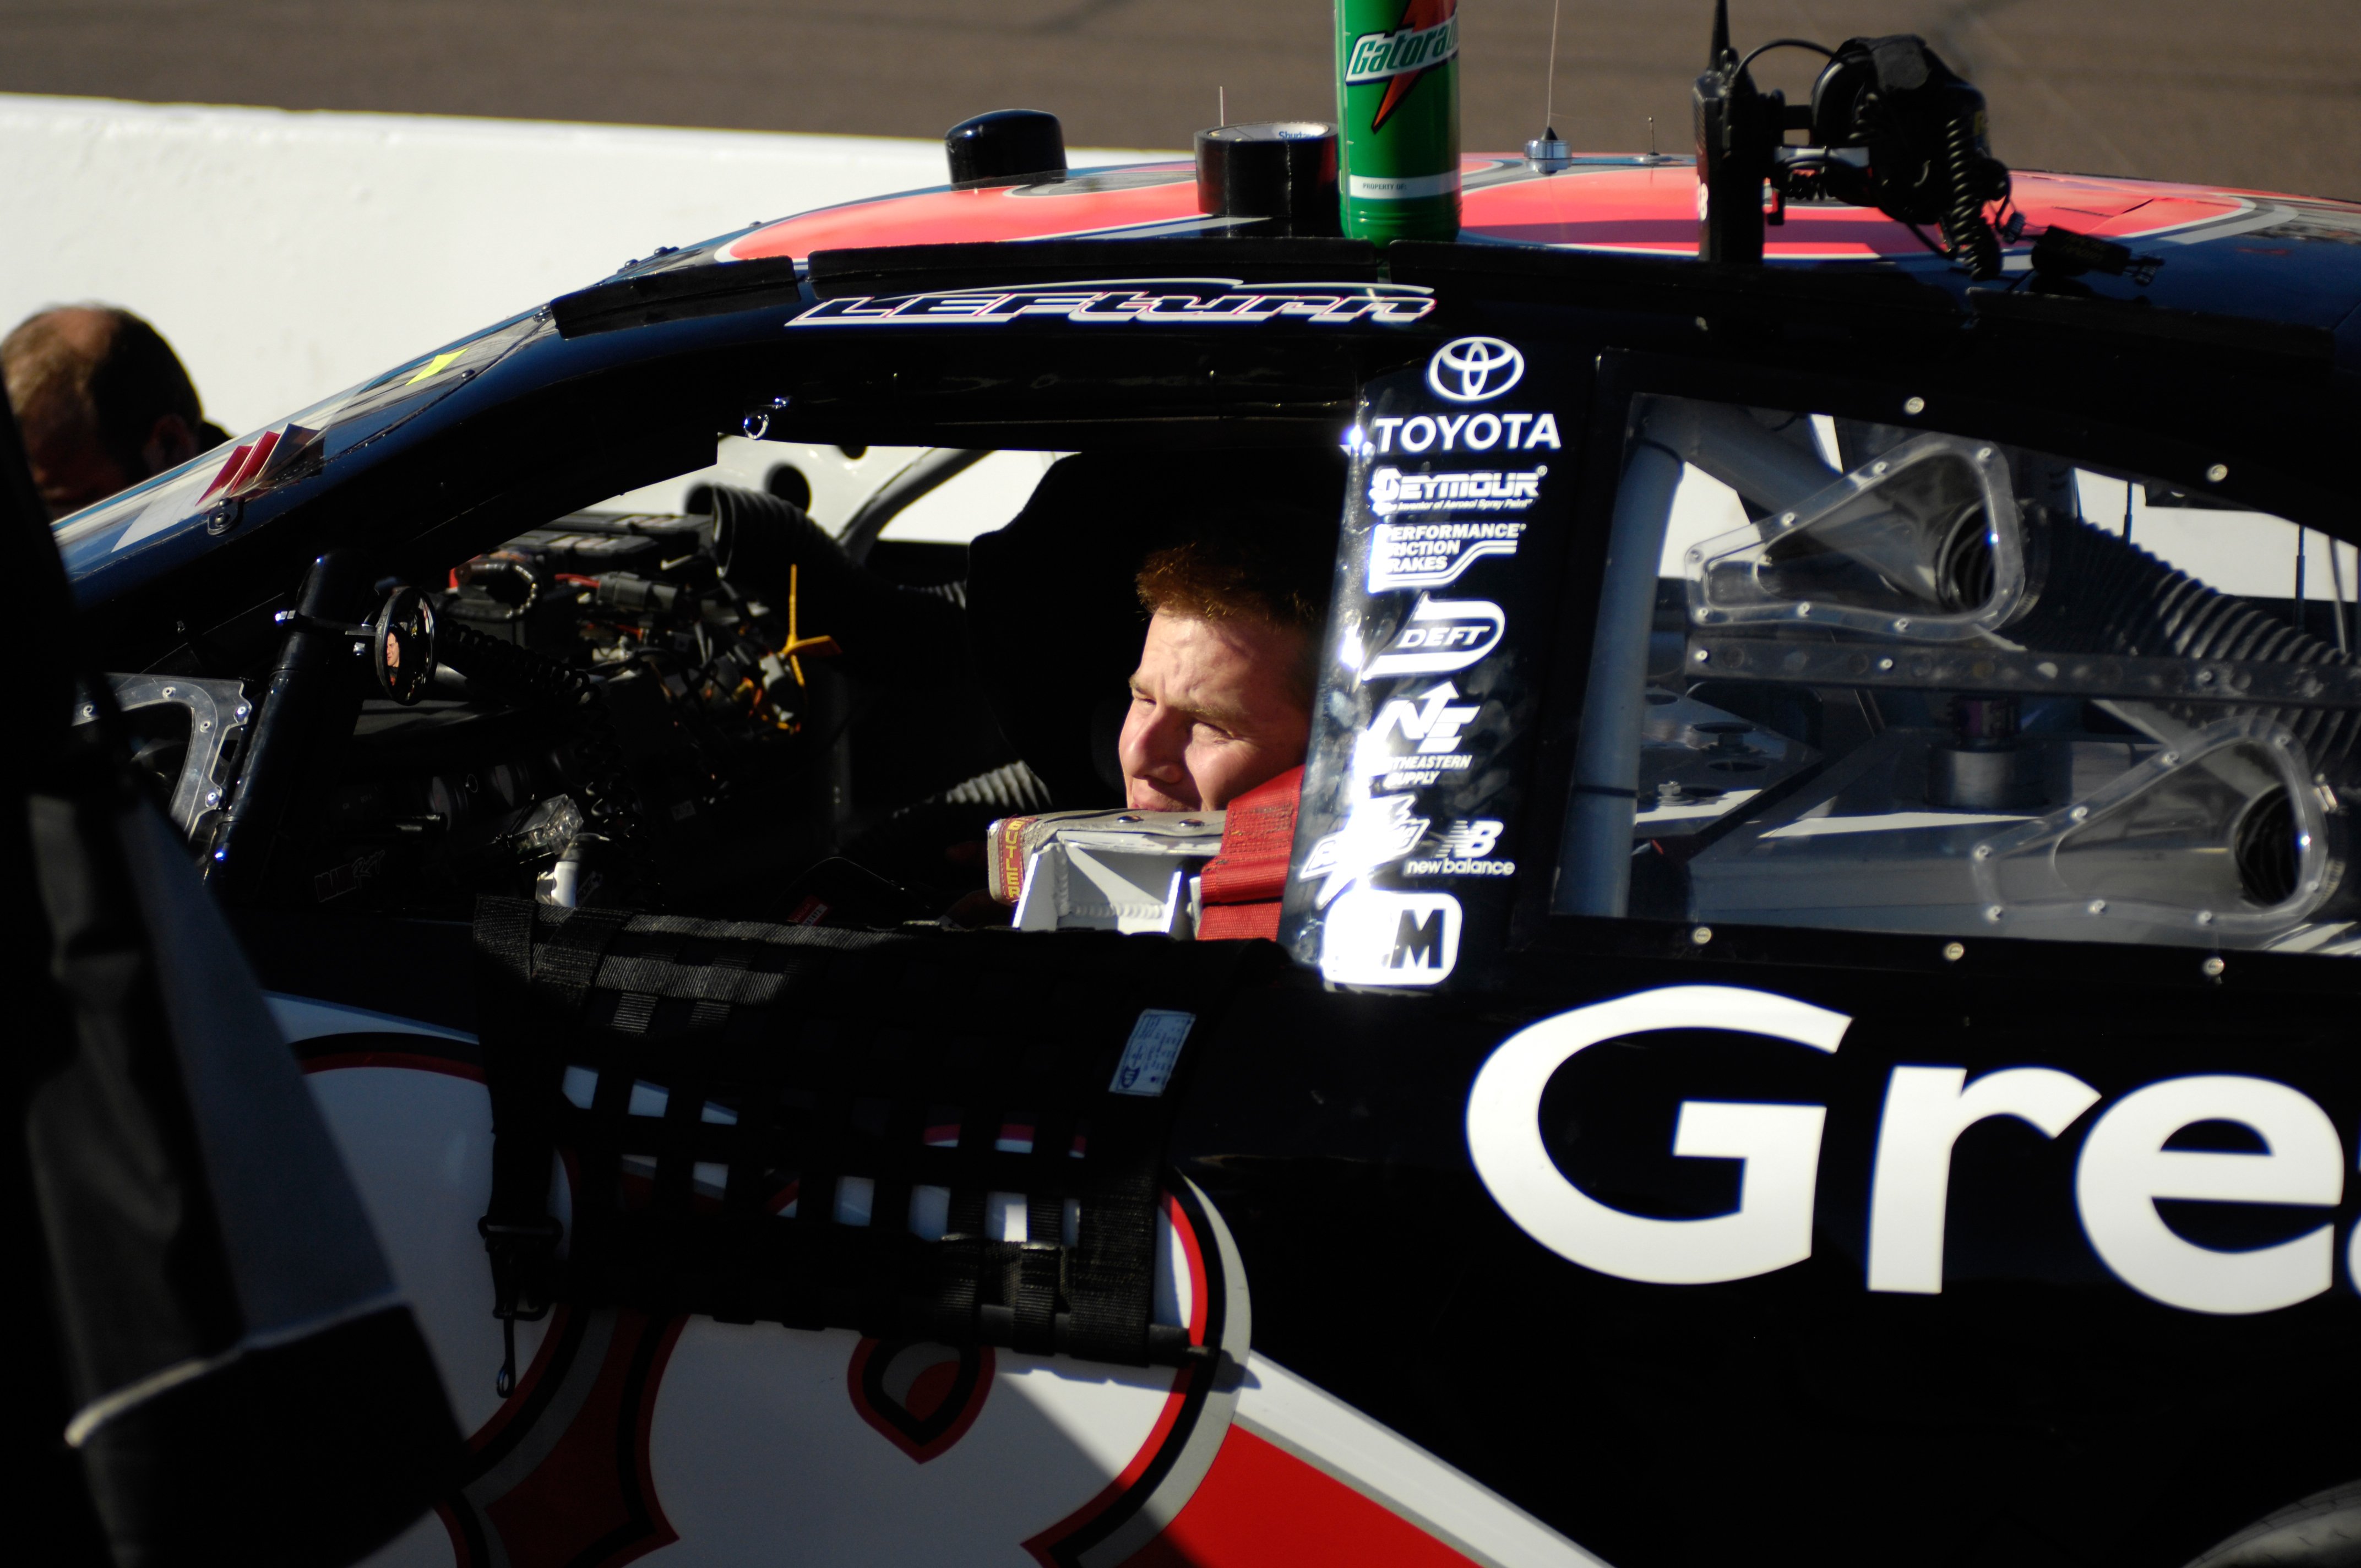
[{"x": 1471, "y": 369}]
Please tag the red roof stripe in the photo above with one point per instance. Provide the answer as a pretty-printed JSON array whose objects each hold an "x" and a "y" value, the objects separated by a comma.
[{"x": 1646, "y": 210}]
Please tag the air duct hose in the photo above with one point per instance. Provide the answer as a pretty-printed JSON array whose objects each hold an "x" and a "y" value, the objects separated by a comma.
[
  {"x": 2104, "y": 596},
  {"x": 886, "y": 631}
]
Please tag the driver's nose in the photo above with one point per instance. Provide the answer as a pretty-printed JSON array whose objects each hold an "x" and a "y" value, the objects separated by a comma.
[{"x": 1154, "y": 744}]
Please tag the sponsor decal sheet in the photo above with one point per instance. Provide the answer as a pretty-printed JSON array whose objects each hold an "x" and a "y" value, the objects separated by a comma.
[{"x": 1459, "y": 475}]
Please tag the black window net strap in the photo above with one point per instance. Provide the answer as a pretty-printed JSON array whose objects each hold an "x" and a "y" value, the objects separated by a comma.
[
  {"x": 799, "y": 937},
  {"x": 913, "y": 1133},
  {"x": 532, "y": 974},
  {"x": 730, "y": 980}
]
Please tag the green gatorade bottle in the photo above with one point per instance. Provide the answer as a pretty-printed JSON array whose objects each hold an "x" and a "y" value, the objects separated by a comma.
[{"x": 1398, "y": 118}]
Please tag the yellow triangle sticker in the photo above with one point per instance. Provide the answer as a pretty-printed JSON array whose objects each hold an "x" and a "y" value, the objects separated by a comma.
[{"x": 433, "y": 365}]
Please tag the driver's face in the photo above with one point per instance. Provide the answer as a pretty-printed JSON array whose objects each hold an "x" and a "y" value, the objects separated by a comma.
[{"x": 1213, "y": 713}]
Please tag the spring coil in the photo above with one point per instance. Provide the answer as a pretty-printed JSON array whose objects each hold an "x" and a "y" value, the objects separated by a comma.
[
  {"x": 611, "y": 806},
  {"x": 1965, "y": 233},
  {"x": 1010, "y": 787}
]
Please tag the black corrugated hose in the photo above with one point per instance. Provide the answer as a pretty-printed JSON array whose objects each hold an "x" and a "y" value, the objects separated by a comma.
[{"x": 2103, "y": 596}]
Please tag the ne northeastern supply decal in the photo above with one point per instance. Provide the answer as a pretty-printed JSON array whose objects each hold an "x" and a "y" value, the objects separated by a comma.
[
  {"x": 1373, "y": 935},
  {"x": 1431, "y": 724},
  {"x": 2128, "y": 1163}
]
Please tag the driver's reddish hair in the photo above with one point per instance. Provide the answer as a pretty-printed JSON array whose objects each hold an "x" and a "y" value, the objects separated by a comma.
[{"x": 1276, "y": 574}]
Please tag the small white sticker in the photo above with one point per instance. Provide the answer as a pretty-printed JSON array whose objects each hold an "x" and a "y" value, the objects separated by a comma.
[{"x": 1148, "y": 1055}]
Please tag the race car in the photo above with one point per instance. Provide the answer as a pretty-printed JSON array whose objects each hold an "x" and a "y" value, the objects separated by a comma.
[{"x": 1794, "y": 1011}]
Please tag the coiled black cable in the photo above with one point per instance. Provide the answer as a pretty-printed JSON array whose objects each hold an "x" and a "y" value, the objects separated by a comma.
[{"x": 1969, "y": 237}]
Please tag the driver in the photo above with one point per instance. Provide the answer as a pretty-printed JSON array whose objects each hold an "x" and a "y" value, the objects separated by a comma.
[{"x": 1221, "y": 699}]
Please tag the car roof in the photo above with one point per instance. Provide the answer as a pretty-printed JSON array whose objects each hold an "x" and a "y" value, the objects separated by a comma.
[
  {"x": 2260, "y": 255},
  {"x": 2245, "y": 336}
]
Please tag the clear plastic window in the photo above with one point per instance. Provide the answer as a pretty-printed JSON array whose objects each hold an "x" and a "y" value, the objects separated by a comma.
[{"x": 1864, "y": 677}]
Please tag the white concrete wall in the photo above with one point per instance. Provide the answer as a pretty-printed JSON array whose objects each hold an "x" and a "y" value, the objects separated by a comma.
[{"x": 287, "y": 256}]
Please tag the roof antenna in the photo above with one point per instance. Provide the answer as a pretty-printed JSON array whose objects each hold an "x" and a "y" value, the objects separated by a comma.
[
  {"x": 1221, "y": 106},
  {"x": 1545, "y": 152},
  {"x": 1549, "y": 77}
]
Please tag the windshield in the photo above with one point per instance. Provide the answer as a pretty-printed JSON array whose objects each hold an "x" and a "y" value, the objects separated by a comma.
[{"x": 152, "y": 522}]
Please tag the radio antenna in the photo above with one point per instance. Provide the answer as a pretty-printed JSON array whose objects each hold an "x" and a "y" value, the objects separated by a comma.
[
  {"x": 1549, "y": 86},
  {"x": 1545, "y": 153},
  {"x": 1222, "y": 106},
  {"x": 1719, "y": 50}
]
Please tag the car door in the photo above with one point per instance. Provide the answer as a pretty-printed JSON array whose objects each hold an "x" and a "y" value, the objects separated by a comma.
[{"x": 1900, "y": 1095}]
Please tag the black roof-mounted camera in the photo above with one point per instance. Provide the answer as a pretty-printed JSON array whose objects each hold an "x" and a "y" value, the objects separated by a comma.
[{"x": 1891, "y": 126}]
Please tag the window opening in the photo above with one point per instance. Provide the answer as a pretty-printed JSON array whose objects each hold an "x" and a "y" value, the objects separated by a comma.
[
  {"x": 1857, "y": 677},
  {"x": 832, "y": 482}
]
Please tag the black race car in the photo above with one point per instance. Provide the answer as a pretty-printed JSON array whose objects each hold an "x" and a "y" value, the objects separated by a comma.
[{"x": 1797, "y": 1009}]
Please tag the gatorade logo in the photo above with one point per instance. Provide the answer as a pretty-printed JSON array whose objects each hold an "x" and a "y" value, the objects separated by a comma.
[
  {"x": 1427, "y": 35},
  {"x": 1378, "y": 56}
]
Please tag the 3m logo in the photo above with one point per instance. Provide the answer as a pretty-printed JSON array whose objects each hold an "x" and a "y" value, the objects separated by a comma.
[
  {"x": 1374, "y": 938},
  {"x": 1418, "y": 941}
]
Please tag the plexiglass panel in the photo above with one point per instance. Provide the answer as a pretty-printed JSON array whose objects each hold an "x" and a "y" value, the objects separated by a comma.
[{"x": 1916, "y": 681}]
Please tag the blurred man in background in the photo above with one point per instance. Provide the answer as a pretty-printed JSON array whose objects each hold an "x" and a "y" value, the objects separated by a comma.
[{"x": 102, "y": 400}]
